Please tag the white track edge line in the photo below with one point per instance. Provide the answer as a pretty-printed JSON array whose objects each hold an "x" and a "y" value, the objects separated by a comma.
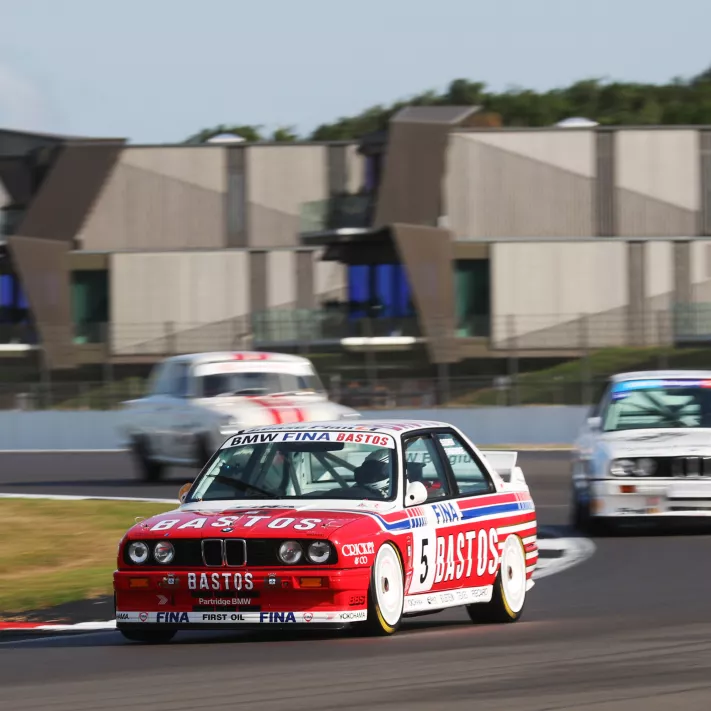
[{"x": 71, "y": 497}]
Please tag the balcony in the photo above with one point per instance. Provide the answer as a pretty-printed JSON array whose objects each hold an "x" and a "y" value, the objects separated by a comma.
[
  {"x": 691, "y": 323},
  {"x": 338, "y": 213},
  {"x": 326, "y": 326},
  {"x": 9, "y": 220},
  {"x": 17, "y": 337}
]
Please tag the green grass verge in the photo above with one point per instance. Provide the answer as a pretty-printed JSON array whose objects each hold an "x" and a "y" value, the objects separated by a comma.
[
  {"x": 53, "y": 552},
  {"x": 577, "y": 382}
]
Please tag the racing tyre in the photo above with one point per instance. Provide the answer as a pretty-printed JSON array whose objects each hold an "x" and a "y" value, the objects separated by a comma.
[
  {"x": 151, "y": 471},
  {"x": 386, "y": 594},
  {"x": 509, "y": 596},
  {"x": 579, "y": 514},
  {"x": 582, "y": 519},
  {"x": 159, "y": 637}
]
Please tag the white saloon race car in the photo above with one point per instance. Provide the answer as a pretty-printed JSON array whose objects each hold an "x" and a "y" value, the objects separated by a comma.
[
  {"x": 196, "y": 401},
  {"x": 645, "y": 451}
]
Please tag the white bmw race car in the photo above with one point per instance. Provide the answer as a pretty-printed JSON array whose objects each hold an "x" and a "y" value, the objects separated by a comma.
[
  {"x": 645, "y": 451},
  {"x": 196, "y": 401}
]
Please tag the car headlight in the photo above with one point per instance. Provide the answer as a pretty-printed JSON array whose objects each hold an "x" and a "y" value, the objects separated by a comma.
[
  {"x": 164, "y": 552},
  {"x": 633, "y": 467},
  {"x": 290, "y": 552},
  {"x": 319, "y": 552},
  {"x": 138, "y": 552},
  {"x": 622, "y": 467},
  {"x": 646, "y": 467}
]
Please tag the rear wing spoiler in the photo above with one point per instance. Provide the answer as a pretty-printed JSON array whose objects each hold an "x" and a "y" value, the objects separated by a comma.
[{"x": 504, "y": 462}]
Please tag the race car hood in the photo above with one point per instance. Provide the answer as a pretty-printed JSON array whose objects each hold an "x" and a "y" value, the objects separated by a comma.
[
  {"x": 253, "y": 411},
  {"x": 263, "y": 520},
  {"x": 656, "y": 443}
]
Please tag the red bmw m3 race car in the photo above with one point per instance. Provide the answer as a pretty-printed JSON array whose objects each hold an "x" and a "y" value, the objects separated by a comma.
[{"x": 333, "y": 524}]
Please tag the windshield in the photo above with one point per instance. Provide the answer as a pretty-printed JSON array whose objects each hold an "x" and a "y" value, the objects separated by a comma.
[
  {"x": 638, "y": 404},
  {"x": 256, "y": 383},
  {"x": 301, "y": 464}
]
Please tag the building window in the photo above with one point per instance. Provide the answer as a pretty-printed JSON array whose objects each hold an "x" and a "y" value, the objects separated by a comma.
[
  {"x": 90, "y": 305},
  {"x": 471, "y": 285},
  {"x": 379, "y": 291}
]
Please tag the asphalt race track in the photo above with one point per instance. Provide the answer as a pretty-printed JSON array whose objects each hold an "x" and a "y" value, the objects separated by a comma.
[{"x": 627, "y": 629}]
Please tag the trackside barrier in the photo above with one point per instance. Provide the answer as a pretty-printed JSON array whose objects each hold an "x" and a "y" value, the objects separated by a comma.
[{"x": 54, "y": 430}]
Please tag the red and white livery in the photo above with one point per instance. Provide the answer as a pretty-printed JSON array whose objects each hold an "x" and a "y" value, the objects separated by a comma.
[
  {"x": 332, "y": 523},
  {"x": 195, "y": 401}
]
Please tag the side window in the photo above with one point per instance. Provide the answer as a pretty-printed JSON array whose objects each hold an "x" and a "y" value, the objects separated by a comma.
[
  {"x": 161, "y": 380},
  {"x": 180, "y": 384},
  {"x": 470, "y": 475},
  {"x": 600, "y": 400},
  {"x": 423, "y": 463}
]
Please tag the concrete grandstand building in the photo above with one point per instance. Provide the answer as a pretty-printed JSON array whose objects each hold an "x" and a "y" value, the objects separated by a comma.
[{"x": 440, "y": 234}]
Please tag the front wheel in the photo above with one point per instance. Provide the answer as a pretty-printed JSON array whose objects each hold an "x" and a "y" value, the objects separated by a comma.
[
  {"x": 386, "y": 594},
  {"x": 151, "y": 471},
  {"x": 582, "y": 519},
  {"x": 149, "y": 637},
  {"x": 509, "y": 596}
]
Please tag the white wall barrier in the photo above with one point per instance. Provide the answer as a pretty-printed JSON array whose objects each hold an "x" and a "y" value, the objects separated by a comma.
[{"x": 57, "y": 430}]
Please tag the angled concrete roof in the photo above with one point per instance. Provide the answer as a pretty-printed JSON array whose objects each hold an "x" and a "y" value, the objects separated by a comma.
[{"x": 453, "y": 115}]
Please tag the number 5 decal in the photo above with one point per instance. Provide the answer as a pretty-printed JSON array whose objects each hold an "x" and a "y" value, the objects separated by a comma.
[
  {"x": 423, "y": 544},
  {"x": 423, "y": 561}
]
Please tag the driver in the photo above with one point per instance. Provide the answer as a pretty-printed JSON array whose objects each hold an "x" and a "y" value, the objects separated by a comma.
[{"x": 374, "y": 473}]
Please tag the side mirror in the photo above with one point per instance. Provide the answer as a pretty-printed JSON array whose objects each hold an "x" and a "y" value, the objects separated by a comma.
[
  {"x": 594, "y": 423},
  {"x": 416, "y": 493},
  {"x": 184, "y": 491}
]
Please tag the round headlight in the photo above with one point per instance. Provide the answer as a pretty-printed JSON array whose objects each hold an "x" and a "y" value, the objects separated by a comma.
[
  {"x": 164, "y": 552},
  {"x": 319, "y": 552},
  {"x": 138, "y": 552},
  {"x": 622, "y": 467},
  {"x": 290, "y": 552},
  {"x": 645, "y": 467}
]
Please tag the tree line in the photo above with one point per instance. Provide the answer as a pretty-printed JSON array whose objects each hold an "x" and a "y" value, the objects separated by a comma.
[{"x": 610, "y": 103}]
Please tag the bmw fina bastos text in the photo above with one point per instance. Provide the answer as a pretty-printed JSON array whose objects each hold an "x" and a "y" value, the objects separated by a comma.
[{"x": 333, "y": 524}]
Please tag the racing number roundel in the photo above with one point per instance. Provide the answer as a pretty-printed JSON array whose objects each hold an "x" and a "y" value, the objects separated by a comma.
[{"x": 424, "y": 549}]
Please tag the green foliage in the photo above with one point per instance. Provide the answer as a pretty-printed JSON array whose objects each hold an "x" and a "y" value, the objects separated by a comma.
[
  {"x": 249, "y": 133},
  {"x": 611, "y": 103},
  {"x": 284, "y": 134}
]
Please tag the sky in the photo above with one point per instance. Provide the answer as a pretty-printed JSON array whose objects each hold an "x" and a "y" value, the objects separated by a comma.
[{"x": 157, "y": 71}]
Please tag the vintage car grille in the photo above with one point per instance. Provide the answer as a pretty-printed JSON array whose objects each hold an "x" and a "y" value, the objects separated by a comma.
[
  {"x": 683, "y": 467},
  {"x": 227, "y": 552}
]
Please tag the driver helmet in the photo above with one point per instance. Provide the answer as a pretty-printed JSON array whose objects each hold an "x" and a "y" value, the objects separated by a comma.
[{"x": 374, "y": 472}]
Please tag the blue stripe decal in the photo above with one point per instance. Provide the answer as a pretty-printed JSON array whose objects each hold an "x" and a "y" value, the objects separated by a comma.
[
  {"x": 512, "y": 507},
  {"x": 467, "y": 514}
]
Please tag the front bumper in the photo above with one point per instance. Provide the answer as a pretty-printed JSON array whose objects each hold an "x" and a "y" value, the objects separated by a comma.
[
  {"x": 650, "y": 498},
  {"x": 207, "y": 598}
]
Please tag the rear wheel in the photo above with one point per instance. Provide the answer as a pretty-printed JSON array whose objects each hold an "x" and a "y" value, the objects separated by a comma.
[
  {"x": 150, "y": 470},
  {"x": 509, "y": 596},
  {"x": 149, "y": 637},
  {"x": 386, "y": 594}
]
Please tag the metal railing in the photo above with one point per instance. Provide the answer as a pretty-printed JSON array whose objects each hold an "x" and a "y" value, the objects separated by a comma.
[
  {"x": 338, "y": 212},
  {"x": 562, "y": 335},
  {"x": 312, "y": 327},
  {"x": 9, "y": 220},
  {"x": 361, "y": 394}
]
